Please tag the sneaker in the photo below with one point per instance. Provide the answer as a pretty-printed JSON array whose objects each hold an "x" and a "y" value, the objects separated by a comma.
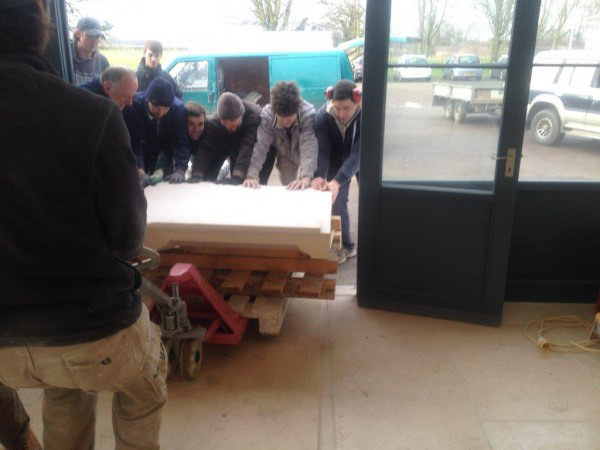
[{"x": 346, "y": 253}]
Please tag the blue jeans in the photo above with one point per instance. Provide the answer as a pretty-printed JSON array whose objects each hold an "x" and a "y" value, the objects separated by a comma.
[{"x": 340, "y": 208}]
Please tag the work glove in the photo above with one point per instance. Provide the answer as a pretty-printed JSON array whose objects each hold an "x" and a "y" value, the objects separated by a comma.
[
  {"x": 156, "y": 177},
  {"x": 144, "y": 180},
  {"x": 233, "y": 181},
  {"x": 176, "y": 177},
  {"x": 195, "y": 179}
]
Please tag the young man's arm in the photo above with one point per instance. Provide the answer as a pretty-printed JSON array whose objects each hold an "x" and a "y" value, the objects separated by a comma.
[
  {"x": 264, "y": 139},
  {"x": 120, "y": 201},
  {"x": 324, "y": 146},
  {"x": 351, "y": 164},
  {"x": 251, "y": 124},
  {"x": 308, "y": 146},
  {"x": 181, "y": 147},
  {"x": 135, "y": 134}
]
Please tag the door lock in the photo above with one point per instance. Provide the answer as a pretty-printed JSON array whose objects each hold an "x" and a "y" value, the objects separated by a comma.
[{"x": 511, "y": 157}]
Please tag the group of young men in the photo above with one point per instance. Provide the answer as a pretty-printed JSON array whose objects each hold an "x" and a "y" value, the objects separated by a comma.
[{"x": 69, "y": 301}]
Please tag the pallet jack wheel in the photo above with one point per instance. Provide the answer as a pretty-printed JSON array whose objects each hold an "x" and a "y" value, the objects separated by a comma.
[
  {"x": 190, "y": 358},
  {"x": 172, "y": 347}
]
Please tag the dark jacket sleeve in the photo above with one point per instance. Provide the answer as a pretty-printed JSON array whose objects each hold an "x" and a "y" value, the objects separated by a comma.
[
  {"x": 207, "y": 151},
  {"x": 135, "y": 134},
  {"x": 242, "y": 162},
  {"x": 324, "y": 144},
  {"x": 351, "y": 164},
  {"x": 181, "y": 140},
  {"x": 120, "y": 201}
]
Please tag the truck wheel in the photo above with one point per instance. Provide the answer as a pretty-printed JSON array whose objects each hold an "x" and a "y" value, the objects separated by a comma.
[
  {"x": 545, "y": 127},
  {"x": 449, "y": 110},
  {"x": 460, "y": 112}
]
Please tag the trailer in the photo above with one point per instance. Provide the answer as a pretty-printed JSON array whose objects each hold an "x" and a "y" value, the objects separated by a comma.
[{"x": 462, "y": 97}]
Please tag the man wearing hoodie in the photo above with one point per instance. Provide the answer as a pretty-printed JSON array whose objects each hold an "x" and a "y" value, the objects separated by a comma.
[
  {"x": 88, "y": 62},
  {"x": 337, "y": 126},
  {"x": 286, "y": 130},
  {"x": 149, "y": 68}
]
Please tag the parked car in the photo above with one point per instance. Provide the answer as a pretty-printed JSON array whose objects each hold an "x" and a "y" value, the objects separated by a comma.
[
  {"x": 564, "y": 99},
  {"x": 463, "y": 73},
  {"x": 357, "y": 68},
  {"x": 412, "y": 73},
  {"x": 251, "y": 75},
  {"x": 500, "y": 72}
]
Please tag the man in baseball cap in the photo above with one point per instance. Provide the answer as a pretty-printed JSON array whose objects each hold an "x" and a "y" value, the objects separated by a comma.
[
  {"x": 159, "y": 136},
  {"x": 88, "y": 62}
]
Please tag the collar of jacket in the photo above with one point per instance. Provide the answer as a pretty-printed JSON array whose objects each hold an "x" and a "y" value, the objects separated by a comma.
[{"x": 32, "y": 59}]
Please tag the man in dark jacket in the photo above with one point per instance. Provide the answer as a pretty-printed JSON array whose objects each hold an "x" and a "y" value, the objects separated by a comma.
[
  {"x": 149, "y": 68},
  {"x": 337, "y": 127},
  {"x": 88, "y": 62},
  {"x": 159, "y": 128},
  {"x": 230, "y": 134},
  {"x": 71, "y": 317},
  {"x": 117, "y": 83}
]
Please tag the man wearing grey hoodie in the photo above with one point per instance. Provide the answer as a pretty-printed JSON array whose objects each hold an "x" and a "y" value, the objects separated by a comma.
[{"x": 286, "y": 129}]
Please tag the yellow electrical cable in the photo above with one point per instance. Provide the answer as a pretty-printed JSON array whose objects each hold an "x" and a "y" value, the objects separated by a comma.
[{"x": 554, "y": 323}]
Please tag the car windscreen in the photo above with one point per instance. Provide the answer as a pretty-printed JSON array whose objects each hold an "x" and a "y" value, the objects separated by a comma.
[{"x": 416, "y": 60}]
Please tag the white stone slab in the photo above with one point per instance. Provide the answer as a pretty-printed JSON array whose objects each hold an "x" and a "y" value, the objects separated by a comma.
[{"x": 269, "y": 216}]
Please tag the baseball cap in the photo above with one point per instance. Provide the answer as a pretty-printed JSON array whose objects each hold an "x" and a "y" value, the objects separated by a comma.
[{"x": 90, "y": 25}]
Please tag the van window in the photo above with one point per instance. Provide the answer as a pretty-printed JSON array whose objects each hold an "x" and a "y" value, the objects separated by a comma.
[
  {"x": 191, "y": 75},
  {"x": 565, "y": 76},
  {"x": 544, "y": 75},
  {"x": 583, "y": 76}
]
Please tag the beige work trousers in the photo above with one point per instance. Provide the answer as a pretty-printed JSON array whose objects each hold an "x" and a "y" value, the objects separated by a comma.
[{"x": 131, "y": 363}]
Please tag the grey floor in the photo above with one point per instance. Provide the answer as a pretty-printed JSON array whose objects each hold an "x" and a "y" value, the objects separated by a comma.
[{"x": 344, "y": 377}]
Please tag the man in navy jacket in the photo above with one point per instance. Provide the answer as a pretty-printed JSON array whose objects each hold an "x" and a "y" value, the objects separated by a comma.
[
  {"x": 159, "y": 127},
  {"x": 337, "y": 126}
]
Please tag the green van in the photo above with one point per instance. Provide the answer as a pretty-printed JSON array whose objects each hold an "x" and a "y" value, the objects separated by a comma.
[{"x": 202, "y": 78}]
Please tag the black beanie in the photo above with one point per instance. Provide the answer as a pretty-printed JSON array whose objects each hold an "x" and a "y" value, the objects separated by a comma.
[
  {"x": 160, "y": 92},
  {"x": 230, "y": 106}
]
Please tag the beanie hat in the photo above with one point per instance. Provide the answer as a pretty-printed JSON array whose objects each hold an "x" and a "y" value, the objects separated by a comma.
[
  {"x": 160, "y": 92},
  {"x": 230, "y": 106}
]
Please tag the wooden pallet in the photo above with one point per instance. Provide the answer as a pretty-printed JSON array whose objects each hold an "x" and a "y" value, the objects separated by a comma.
[{"x": 259, "y": 280}]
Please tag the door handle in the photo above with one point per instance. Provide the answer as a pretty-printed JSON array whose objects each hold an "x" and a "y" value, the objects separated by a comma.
[{"x": 511, "y": 159}]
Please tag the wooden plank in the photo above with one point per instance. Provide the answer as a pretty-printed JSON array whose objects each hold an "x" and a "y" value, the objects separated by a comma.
[
  {"x": 322, "y": 266},
  {"x": 336, "y": 223},
  {"x": 239, "y": 303},
  {"x": 213, "y": 248},
  {"x": 236, "y": 280},
  {"x": 275, "y": 283},
  {"x": 311, "y": 284},
  {"x": 336, "y": 240}
]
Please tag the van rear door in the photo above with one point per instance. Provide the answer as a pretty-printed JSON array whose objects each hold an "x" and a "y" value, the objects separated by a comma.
[{"x": 313, "y": 73}]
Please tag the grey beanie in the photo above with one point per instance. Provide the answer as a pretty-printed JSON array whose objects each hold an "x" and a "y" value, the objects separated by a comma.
[{"x": 230, "y": 106}]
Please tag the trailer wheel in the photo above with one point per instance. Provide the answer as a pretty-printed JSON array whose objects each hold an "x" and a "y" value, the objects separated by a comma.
[
  {"x": 190, "y": 358},
  {"x": 449, "y": 109},
  {"x": 460, "y": 112}
]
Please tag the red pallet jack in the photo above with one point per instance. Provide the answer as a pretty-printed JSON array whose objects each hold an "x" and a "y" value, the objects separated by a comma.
[{"x": 193, "y": 313}]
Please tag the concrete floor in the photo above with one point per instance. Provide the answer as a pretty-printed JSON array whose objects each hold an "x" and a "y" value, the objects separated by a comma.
[{"x": 344, "y": 377}]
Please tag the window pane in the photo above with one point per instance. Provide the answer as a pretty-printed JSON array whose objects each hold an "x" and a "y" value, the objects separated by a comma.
[
  {"x": 442, "y": 123},
  {"x": 191, "y": 75}
]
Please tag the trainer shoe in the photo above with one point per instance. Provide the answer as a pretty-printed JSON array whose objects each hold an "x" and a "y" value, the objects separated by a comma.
[{"x": 346, "y": 253}]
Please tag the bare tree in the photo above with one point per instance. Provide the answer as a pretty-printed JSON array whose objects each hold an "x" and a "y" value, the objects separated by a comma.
[
  {"x": 346, "y": 17},
  {"x": 564, "y": 8},
  {"x": 499, "y": 15},
  {"x": 431, "y": 16},
  {"x": 270, "y": 15}
]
